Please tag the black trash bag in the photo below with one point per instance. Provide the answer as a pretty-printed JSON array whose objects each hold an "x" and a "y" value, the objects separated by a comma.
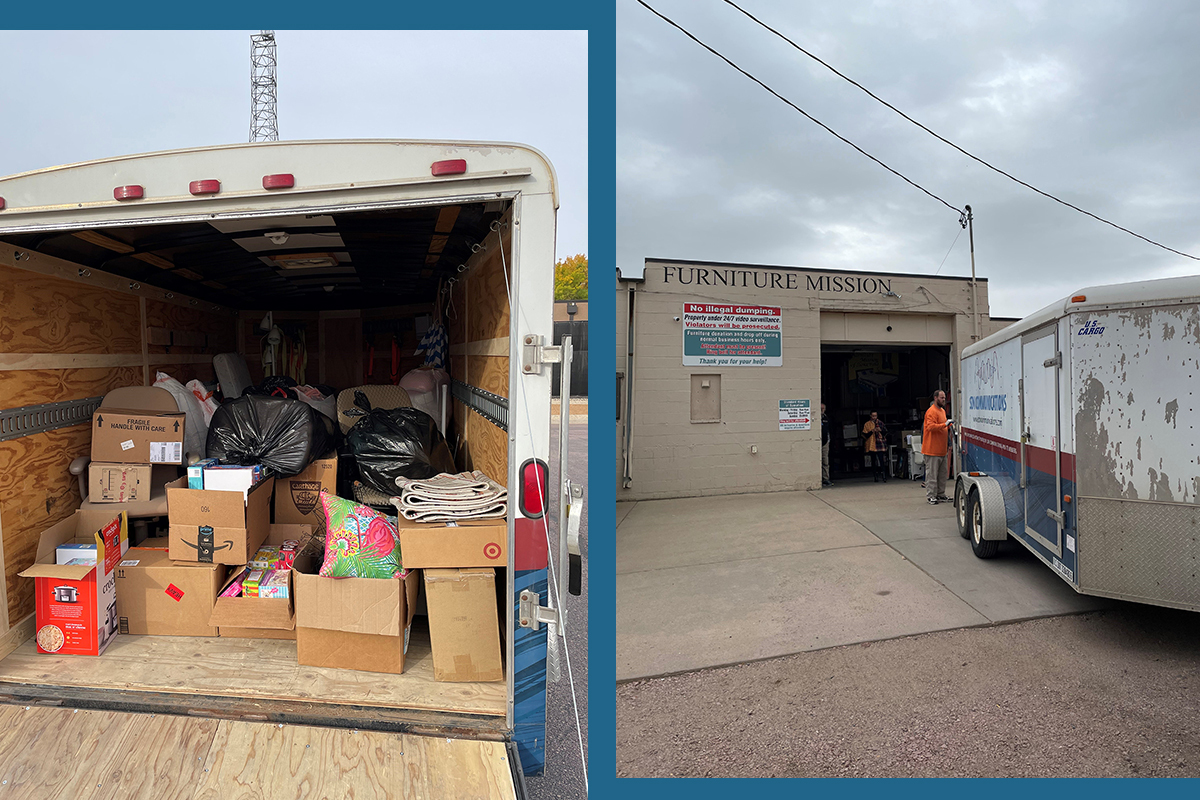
[
  {"x": 396, "y": 442},
  {"x": 283, "y": 435},
  {"x": 273, "y": 386}
]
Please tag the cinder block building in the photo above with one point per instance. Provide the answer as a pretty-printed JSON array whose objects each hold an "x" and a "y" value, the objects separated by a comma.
[{"x": 721, "y": 370}]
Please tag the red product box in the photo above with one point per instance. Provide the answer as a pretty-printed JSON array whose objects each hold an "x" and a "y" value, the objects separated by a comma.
[{"x": 76, "y": 605}]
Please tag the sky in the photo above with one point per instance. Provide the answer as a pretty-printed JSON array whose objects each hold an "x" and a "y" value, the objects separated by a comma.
[
  {"x": 1094, "y": 103},
  {"x": 81, "y": 95}
]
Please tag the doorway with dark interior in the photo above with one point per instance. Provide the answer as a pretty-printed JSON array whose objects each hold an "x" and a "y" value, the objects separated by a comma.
[{"x": 898, "y": 382}]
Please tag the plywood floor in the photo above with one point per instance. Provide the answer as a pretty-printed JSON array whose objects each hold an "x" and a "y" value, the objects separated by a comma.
[
  {"x": 61, "y": 753},
  {"x": 252, "y": 668}
]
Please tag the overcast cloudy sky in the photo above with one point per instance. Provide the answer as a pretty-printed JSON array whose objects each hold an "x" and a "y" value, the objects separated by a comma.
[
  {"x": 91, "y": 94},
  {"x": 1093, "y": 102}
]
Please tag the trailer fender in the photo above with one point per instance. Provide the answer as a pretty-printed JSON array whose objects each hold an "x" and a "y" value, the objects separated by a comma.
[{"x": 991, "y": 498}]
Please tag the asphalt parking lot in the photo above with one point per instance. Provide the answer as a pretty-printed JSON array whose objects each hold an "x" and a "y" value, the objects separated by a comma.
[{"x": 851, "y": 632}]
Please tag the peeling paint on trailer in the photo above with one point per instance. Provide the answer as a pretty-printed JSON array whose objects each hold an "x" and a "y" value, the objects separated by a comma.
[{"x": 1137, "y": 384}]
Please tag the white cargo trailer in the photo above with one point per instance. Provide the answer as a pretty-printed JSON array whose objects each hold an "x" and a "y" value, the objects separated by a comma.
[{"x": 1078, "y": 439}]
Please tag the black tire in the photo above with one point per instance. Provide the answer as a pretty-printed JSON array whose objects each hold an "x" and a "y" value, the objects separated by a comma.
[
  {"x": 983, "y": 548},
  {"x": 960, "y": 509}
]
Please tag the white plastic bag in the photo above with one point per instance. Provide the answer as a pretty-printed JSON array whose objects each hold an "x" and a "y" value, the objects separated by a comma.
[
  {"x": 208, "y": 403},
  {"x": 195, "y": 434}
]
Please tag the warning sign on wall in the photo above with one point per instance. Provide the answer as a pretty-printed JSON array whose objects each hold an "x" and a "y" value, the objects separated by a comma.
[
  {"x": 732, "y": 335},
  {"x": 794, "y": 415}
]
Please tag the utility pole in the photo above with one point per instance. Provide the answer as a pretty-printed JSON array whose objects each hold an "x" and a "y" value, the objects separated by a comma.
[
  {"x": 264, "y": 126},
  {"x": 968, "y": 224}
]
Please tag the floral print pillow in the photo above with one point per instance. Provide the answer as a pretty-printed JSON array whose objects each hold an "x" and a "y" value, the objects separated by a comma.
[{"x": 359, "y": 541}]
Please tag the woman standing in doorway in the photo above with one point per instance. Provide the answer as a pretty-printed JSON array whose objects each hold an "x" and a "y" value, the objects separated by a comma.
[{"x": 876, "y": 444}]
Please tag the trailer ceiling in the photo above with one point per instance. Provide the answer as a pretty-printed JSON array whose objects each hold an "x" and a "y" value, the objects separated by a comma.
[{"x": 370, "y": 259}]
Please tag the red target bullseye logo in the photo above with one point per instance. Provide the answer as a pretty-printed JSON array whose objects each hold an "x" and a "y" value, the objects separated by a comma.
[{"x": 491, "y": 550}]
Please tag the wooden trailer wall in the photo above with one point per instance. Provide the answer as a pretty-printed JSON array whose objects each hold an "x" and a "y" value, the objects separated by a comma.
[
  {"x": 478, "y": 324},
  {"x": 69, "y": 333}
]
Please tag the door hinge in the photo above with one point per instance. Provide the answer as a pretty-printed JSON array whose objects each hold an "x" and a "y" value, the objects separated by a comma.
[
  {"x": 531, "y": 613},
  {"x": 1057, "y": 516},
  {"x": 1053, "y": 362},
  {"x": 534, "y": 354}
]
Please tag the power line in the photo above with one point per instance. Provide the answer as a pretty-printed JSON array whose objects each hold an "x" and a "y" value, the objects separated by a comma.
[
  {"x": 686, "y": 33},
  {"x": 939, "y": 269},
  {"x": 943, "y": 139}
]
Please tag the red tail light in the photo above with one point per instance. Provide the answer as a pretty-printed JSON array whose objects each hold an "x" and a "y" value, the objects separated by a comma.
[
  {"x": 455, "y": 166},
  {"x": 128, "y": 192},
  {"x": 533, "y": 498},
  {"x": 204, "y": 187},
  {"x": 281, "y": 181},
  {"x": 1, "y": 203}
]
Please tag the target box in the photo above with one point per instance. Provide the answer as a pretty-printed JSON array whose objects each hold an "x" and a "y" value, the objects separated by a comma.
[
  {"x": 76, "y": 604},
  {"x": 470, "y": 543}
]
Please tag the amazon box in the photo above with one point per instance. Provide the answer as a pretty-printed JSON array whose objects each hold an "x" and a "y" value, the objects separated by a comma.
[
  {"x": 468, "y": 543},
  {"x": 264, "y": 617},
  {"x": 118, "y": 483},
  {"x": 297, "y": 499},
  {"x": 76, "y": 604},
  {"x": 464, "y": 624},
  {"x": 353, "y": 623},
  {"x": 161, "y": 597},
  {"x": 122, "y": 436},
  {"x": 216, "y": 527}
]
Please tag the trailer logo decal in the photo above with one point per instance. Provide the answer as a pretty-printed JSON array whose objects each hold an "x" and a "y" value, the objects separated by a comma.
[
  {"x": 1091, "y": 328},
  {"x": 986, "y": 369}
]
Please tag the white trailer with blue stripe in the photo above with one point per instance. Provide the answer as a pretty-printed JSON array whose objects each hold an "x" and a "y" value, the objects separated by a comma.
[{"x": 1078, "y": 439}]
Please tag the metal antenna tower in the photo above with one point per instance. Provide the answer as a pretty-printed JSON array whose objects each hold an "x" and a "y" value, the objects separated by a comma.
[{"x": 264, "y": 125}]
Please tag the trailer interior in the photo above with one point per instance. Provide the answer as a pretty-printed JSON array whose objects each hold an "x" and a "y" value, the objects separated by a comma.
[{"x": 87, "y": 311}]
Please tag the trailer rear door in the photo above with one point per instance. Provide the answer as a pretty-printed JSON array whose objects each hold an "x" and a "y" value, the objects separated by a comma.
[{"x": 1040, "y": 439}]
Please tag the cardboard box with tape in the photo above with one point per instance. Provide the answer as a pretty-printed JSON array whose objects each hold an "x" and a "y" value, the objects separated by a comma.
[
  {"x": 217, "y": 527},
  {"x": 464, "y": 624},
  {"x": 261, "y": 617},
  {"x": 468, "y": 543},
  {"x": 122, "y": 436},
  {"x": 354, "y": 623},
  {"x": 297, "y": 499},
  {"x": 160, "y": 597},
  {"x": 118, "y": 483}
]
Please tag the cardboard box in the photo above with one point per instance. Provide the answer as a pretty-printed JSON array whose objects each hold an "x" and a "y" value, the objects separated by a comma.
[
  {"x": 217, "y": 527},
  {"x": 471, "y": 543},
  {"x": 161, "y": 597},
  {"x": 123, "y": 436},
  {"x": 354, "y": 623},
  {"x": 464, "y": 624},
  {"x": 297, "y": 499},
  {"x": 76, "y": 606},
  {"x": 118, "y": 483},
  {"x": 261, "y": 617}
]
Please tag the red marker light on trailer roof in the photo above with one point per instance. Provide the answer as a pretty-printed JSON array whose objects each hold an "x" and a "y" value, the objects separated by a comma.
[
  {"x": 1, "y": 203},
  {"x": 455, "y": 166},
  {"x": 281, "y": 181},
  {"x": 133, "y": 192},
  {"x": 532, "y": 497},
  {"x": 204, "y": 187}
]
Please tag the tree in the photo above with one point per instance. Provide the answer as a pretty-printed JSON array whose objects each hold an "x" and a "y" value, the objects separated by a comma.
[{"x": 570, "y": 278}]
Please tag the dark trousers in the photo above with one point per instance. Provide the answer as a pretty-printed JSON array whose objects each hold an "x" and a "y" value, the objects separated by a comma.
[{"x": 877, "y": 465}]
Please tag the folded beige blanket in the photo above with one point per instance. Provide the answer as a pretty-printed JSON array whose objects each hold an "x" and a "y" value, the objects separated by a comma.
[{"x": 448, "y": 497}]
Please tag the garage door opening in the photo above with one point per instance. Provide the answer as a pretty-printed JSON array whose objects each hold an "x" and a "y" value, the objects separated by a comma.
[{"x": 898, "y": 382}]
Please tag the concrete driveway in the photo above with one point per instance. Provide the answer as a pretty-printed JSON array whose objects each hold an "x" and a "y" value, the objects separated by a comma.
[{"x": 705, "y": 582}]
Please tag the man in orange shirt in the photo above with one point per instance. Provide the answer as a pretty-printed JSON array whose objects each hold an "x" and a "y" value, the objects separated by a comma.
[{"x": 934, "y": 446}]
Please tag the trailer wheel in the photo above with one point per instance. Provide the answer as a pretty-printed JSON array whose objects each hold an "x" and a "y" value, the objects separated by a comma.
[
  {"x": 983, "y": 548},
  {"x": 960, "y": 509}
]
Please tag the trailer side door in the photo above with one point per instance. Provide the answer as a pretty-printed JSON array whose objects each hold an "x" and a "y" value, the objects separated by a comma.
[{"x": 1040, "y": 436}]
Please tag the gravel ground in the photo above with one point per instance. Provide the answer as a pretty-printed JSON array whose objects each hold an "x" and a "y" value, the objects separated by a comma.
[
  {"x": 1106, "y": 694},
  {"x": 563, "y": 778}
]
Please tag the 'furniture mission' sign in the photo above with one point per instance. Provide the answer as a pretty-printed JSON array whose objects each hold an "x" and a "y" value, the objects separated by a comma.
[{"x": 732, "y": 335}]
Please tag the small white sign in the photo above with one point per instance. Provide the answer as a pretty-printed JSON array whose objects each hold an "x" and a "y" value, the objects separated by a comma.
[
  {"x": 127, "y": 444},
  {"x": 795, "y": 415},
  {"x": 130, "y": 563},
  {"x": 1071, "y": 543}
]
